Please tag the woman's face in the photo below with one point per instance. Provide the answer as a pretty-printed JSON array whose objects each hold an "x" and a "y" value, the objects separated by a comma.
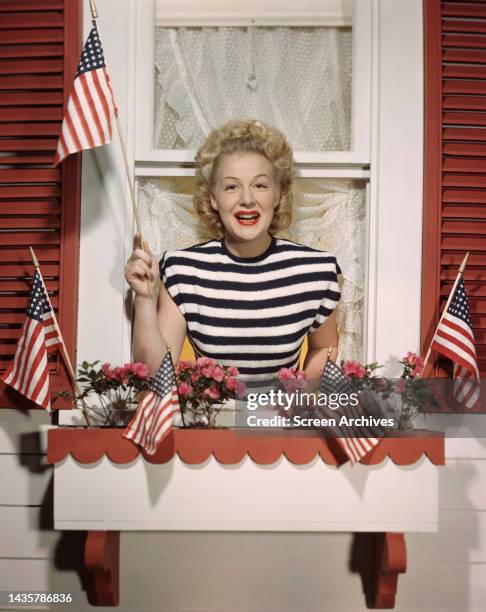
[{"x": 245, "y": 194}]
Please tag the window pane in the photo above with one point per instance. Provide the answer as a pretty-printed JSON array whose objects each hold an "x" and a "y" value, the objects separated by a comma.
[
  {"x": 328, "y": 215},
  {"x": 295, "y": 78}
]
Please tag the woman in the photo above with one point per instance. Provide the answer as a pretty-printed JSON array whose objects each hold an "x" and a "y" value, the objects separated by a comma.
[{"x": 245, "y": 298}]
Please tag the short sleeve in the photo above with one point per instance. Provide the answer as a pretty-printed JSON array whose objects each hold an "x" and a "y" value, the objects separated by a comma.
[
  {"x": 331, "y": 293},
  {"x": 169, "y": 277}
]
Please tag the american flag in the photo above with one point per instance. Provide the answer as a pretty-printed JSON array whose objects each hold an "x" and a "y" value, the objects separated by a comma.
[
  {"x": 333, "y": 380},
  {"x": 29, "y": 372},
  {"x": 153, "y": 419},
  {"x": 454, "y": 338},
  {"x": 90, "y": 108}
]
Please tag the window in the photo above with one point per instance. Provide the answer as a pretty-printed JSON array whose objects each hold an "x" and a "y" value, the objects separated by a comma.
[{"x": 196, "y": 71}]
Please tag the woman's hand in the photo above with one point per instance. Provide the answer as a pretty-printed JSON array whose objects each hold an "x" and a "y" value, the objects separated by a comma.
[{"x": 142, "y": 270}]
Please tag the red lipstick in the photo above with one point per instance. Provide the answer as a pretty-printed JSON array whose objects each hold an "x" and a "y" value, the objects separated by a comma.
[{"x": 247, "y": 217}]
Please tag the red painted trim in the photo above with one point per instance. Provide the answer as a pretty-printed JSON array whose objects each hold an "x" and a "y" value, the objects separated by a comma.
[
  {"x": 70, "y": 199},
  {"x": 229, "y": 447},
  {"x": 102, "y": 560},
  {"x": 431, "y": 250},
  {"x": 70, "y": 205},
  {"x": 389, "y": 560}
]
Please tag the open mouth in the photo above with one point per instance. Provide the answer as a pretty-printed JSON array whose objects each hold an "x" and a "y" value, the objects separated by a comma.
[{"x": 247, "y": 218}]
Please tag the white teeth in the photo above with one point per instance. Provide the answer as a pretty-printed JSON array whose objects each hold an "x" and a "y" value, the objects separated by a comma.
[{"x": 247, "y": 217}]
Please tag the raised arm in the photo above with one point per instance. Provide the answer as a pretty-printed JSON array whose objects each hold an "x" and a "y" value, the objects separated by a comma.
[
  {"x": 318, "y": 343},
  {"x": 157, "y": 319}
]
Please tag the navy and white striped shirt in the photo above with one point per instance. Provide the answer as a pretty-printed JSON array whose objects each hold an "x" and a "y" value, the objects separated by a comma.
[{"x": 252, "y": 313}]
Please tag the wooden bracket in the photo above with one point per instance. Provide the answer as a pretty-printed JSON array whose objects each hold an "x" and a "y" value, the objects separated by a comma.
[
  {"x": 389, "y": 560},
  {"x": 102, "y": 559}
]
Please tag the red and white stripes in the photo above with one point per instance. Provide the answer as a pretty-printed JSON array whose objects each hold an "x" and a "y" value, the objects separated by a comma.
[
  {"x": 454, "y": 339},
  {"x": 153, "y": 420},
  {"x": 28, "y": 373},
  {"x": 90, "y": 110}
]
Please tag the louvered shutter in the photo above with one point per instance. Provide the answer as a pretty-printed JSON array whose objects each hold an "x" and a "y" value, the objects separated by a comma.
[
  {"x": 39, "y": 205},
  {"x": 455, "y": 163}
]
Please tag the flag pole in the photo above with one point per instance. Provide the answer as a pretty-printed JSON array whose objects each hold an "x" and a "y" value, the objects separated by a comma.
[
  {"x": 64, "y": 352},
  {"x": 167, "y": 345},
  {"x": 95, "y": 16},
  {"x": 460, "y": 272}
]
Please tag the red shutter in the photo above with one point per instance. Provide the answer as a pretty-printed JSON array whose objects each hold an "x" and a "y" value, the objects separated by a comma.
[
  {"x": 39, "y": 205},
  {"x": 455, "y": 163}
]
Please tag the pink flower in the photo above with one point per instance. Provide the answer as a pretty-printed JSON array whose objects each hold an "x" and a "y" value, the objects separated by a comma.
[
  {"x": 240, "y": 388},
  {"x": 139, "y": 369},
  {"x": 353, "y": 368},
  {"x": 301, "y": 374},
  {"x": 207, "y": 371},
  {"x": 204, "y": 362},
  {"x": 184, "y": 389},
  {"x": 107, "y": 371},
  {"x": 212, "y": 392},
  {"x": 400, "y": 385},
  {"x": 121, "y": 374},
  {"x": 185, "y": 365},
  {"x": 217, "y": 374},
  {"x": 232, "y": 371},
  {"x": 194, "y": 377},
  {"x": 286, "y": 374},
  {"x": 414, "y": 364},
  {"x": 231, "y": 383}
]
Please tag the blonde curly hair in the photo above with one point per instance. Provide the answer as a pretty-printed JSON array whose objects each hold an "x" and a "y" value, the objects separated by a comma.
[{"x": 243, "y": 136}]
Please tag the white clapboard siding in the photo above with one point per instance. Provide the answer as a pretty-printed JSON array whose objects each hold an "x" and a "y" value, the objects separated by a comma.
[
  {"x": 232, "y": 545},
  {"x": 462, "y": 485},
  {"x": 461, "y": 539},
  {"x": 465, "y": 448},
  {"x": 24, "y": 479},
  {"x": 23, "y": 432},
  {"x": 197, "y": 586},
  {"x": 29, "y": 534}
]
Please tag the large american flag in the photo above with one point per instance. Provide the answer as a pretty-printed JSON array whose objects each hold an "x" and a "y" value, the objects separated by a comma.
[
  {"x": 154, "y": 417},
  {"x": 29, "y": 372},
  {"x": 90, "y": 108},
  {"x": 454, "y": 338},
  {"x": 333, "y": 380}
]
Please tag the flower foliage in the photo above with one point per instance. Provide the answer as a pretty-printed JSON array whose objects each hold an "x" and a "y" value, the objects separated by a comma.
[
  {"x": 203, "y": 386},
  {"x": 115, "y": 388},
  {"x": 414, "y": 393},
  {"x": 126, "y": 381}
]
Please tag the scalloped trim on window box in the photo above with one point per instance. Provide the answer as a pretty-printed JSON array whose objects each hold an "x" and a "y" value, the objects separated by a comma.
[{"x": 230, "y": 447}]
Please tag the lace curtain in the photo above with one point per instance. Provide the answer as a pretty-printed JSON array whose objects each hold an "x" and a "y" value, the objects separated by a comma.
[
  {"x": 328, "y": 215},
  {"x": 296, "y": 79}
]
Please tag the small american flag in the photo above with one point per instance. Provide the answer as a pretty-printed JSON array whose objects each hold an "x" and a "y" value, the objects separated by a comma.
[
  {"x": 29, "y": 372},
  {"x": 334, "y": 381},
  {"x": 454, "y": 338},
  {"x": 90, "y": 108},
  {"x": 153, "y": 419}
]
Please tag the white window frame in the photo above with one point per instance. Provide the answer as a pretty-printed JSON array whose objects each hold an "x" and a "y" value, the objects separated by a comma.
[
  {"x": 336, "y": 164},
  {"x": 394, "y": 238}
]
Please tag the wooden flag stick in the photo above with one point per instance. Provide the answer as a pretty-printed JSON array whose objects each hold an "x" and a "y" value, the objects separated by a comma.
[
  {"x": 95, "y": 16},
  {"x": 64, "y": 352},
  {"x": 460, "y": 272},
  {"x": 167, "y": 345}
]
